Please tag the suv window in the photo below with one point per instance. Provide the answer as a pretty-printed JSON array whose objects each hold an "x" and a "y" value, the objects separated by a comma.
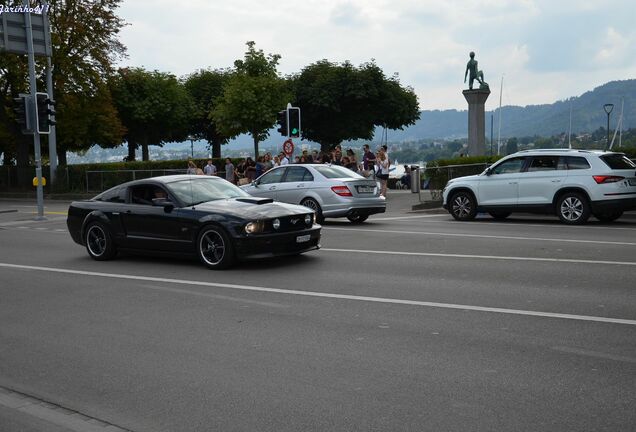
[
  {"x": 544, "y": 163},
  {"x": 272, "y": 176},
  {"x": 298, "y": 174},
  {"x": 510, "y": 166},
  {"x": 576, "y": 162},
  {"x": 617, "y": 161}
]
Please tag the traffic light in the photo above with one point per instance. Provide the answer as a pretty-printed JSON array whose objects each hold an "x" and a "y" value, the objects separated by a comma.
[
  {"x": 282, "y": 121},
  {"x": 23, "y": 117},
  {"x": 45, "y": 111},
  {"x": 294, "y": 122}
]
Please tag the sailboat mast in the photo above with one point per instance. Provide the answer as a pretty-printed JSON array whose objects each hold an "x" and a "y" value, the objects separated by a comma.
[
  {"x": 570, "y": 130},
  {"x": 499, "y": 132}
]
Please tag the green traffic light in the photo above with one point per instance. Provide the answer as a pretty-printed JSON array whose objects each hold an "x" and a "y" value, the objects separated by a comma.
[{"x": 294, "y": 131}]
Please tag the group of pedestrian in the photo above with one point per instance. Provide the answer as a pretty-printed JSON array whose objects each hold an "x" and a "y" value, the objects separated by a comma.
[{"x": 373, "y": 165}]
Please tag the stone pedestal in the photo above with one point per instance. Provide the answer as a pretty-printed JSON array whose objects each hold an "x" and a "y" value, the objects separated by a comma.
[{"x": 476, "y": 121}]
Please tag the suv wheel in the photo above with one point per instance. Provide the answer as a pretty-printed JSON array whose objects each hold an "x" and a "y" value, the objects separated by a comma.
[
  {"x": 463, "y": 206},
  {"x": 609, "y": 216},
  {"x": 573, "y": 208}
]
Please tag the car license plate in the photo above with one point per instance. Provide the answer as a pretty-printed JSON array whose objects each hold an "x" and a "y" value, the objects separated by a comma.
[
  {"x": 365, "y": 189},
  {"x": 303, "y": 238},
  {"x": 632, "y": 182}
]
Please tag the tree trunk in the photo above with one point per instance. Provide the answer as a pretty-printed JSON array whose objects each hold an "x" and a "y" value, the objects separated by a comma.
[
  {"x": 22, "y": 159},
  {"x": 144, "y": 149},
  {"x": 216, "y": 149},
  {"x": 131, "y": 151},
  {"x": 255, "y": 146},
  {"x": 61, "y": 156}
]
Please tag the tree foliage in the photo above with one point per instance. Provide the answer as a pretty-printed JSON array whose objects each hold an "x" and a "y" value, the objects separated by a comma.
[
  {"x": 252, "y": 96},
  {"x": 342, "y": 102},
  {"x": 154, "y": 107},
  {"x": 84, "y": 36},
  {"x": 204, "y": 87}
]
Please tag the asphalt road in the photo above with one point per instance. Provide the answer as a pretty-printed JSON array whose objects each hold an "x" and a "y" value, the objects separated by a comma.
[{"x": 410, "y": 322}]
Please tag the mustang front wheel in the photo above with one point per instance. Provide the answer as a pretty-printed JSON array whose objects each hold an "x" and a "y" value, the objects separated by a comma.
[{"x": 214, "y": 248}]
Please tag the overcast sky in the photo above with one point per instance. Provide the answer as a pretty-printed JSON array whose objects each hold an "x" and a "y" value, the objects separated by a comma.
[{"x": 546, "y": 50}]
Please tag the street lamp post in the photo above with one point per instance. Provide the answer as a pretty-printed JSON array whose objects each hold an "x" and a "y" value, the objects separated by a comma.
[
  {"x": 191, "y": 138},
  {"x": 608, "y": 109}
]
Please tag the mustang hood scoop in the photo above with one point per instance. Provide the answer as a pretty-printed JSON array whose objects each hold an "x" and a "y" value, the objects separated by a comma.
[{"x": 255, "y": 200}]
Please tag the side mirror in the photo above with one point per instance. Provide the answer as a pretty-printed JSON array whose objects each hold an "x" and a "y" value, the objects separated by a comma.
[
  {"x": 255, "y": 183},
  {"x": 167, "y": 205},
  {"x": 488, "y": 172}
]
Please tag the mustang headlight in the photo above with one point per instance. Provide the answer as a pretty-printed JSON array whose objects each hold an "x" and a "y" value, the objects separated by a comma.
[
  {"x": 276, "y": 224},
  {"x": 309, "y": 219},
  {"x": 253, "y": 227}
]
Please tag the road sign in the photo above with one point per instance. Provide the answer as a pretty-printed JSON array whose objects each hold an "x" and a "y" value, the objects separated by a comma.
[
  {"x": 288, "y": 147},
  {"x": 13, "y": 34}
]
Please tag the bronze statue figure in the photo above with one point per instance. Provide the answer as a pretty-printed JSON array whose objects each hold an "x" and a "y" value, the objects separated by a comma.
[{"x": 475, "y": 74}]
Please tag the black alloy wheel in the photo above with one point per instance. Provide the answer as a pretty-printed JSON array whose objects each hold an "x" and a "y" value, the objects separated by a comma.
[
  {"x": 499, "y": 215},
  {"x": 312, "y": 204},
  {"x": 99, "y": 242},
  {"x": 357, "y": 219},
  {"x": 608, "y": 216},
  {"x": 573, "y": 208},
  {"x": 214, "y": 248},
  {"x": 463, "y": 206}
]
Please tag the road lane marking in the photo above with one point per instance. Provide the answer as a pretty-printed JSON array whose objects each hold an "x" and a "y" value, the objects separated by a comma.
[
  {"x": 595, "y": 354},
  {"x": 605, "y": 320},
  {"x": 375, "y": 219},
  {"x": 499, "y": 237},
  {"x": 489, "y": 257},
  {"x": 499, "y": 224}
]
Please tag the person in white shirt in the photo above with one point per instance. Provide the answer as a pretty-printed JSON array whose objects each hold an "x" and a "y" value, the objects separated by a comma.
[
  {"x": 209, "y": 169},
  {"x": 383, "y": 175}
]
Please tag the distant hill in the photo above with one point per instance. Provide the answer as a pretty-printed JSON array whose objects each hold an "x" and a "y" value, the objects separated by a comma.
[{"x": 544, "y": 120}]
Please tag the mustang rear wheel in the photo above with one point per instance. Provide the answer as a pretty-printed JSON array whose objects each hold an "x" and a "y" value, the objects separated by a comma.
[
  {"x": 573, "y": 208},
  {"x": 214, "y": 248},
  {"x": 312, "y": 204},
  {"x": 99, "y": 242},
  {"x": 463, "y": 206}
]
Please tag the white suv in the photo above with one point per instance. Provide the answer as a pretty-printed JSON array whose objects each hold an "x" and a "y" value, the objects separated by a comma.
[{"x": 573, "y": 184}]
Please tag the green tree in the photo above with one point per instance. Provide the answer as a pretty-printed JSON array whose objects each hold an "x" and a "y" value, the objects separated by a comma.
[
  {"x": 204, "y": 87},
  {"x": 154, "y": 107},
  {"x": 85, "y": 40},
  {"x": 341, "y": 102},
  {"x": 252, "y": 96}
]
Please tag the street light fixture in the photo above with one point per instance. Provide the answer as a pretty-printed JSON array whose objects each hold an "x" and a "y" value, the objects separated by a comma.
[
  {"x": 608, "y": 109},
  {"x": 191, "y": 138}
]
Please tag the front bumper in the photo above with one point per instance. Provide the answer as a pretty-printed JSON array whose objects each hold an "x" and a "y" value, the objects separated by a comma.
[{"x": 277, "y": 244}]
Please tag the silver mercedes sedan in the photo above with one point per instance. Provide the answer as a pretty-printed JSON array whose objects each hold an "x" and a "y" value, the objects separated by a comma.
[{"x": 331, "y": 191}]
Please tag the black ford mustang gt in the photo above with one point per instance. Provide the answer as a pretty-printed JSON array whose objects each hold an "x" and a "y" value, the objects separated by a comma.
[{"x": 198, "y": 215}]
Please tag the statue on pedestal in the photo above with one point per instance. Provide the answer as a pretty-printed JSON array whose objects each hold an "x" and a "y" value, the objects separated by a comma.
[{"x": 475, "y": 74}]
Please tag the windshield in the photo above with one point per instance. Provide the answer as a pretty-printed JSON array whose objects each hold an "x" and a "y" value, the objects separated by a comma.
[
  {"x": 203, "y": 189},
  {"x": 335, "y": 171}
]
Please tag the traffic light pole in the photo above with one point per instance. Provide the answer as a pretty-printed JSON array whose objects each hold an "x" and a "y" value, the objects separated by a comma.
[
  {"x": 36, "y": 134},
  {"x": 52, "y": 136}
]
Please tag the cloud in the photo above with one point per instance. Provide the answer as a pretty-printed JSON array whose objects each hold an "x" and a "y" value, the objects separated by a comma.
[{"x": 556, "y": 48}]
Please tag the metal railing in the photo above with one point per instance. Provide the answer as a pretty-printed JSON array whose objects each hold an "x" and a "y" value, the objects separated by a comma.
[{"x": 98, "y": 181}]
